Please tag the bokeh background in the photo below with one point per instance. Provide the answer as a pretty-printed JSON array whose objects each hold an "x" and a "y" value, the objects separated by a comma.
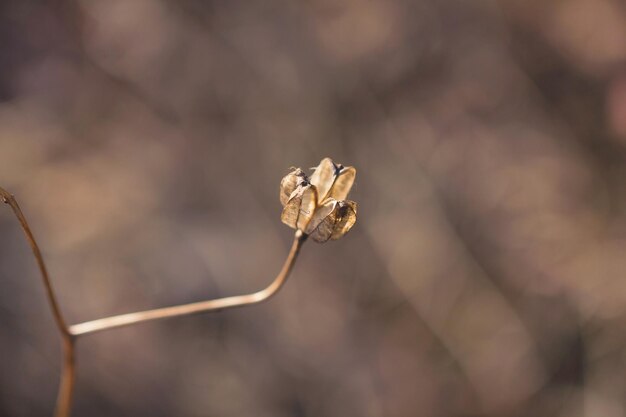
[{"x": 486, "y": 275}]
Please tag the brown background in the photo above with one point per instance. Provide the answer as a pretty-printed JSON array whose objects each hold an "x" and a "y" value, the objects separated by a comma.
[{"x": 485, "y": 276}]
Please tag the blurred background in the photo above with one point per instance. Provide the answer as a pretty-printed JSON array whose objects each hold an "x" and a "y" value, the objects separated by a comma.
[{"x": 486, "y": 275}]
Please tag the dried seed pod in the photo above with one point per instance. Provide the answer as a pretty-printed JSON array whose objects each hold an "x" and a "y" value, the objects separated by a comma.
[{"x": 318, "y": 207}]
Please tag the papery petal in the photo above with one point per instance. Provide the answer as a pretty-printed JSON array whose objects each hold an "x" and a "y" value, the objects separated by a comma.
[
  {"x": 300, "y": 207},
  {"x": 323, "y": 178},
  {"x": 308, "y": 207},
  {"x": 332, "y": 220},
  {"x": 289, "y": 183},
  {"x": 320, "y": 217},
  {"x": 289, "y": 216},
  {"x": 342, "y": 184},
  {"x": 346, "y": 217}
]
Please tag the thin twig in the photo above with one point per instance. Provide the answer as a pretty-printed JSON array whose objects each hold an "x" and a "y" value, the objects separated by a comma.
[
  {"x": 199, "y": 307},
  {"x": 64, "y": 398},
  {"x": 68, "y": 376},
  {"x": 9, "y": 199}
]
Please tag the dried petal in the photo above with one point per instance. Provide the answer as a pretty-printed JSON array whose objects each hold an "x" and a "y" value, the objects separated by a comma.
[
  {"x": 346, "y": 217},
  {"x": 343, "y": 183},
  {"x": 308, "y": 206},
  {"x": 320, "y": 219},
  {"x": 290, "y": 182},
  {"x": 300, "y": 207},
  {"x": 323, "y": 178},
  {"x": 333, "y": 220},
  {"x": 332, "y": 180}
]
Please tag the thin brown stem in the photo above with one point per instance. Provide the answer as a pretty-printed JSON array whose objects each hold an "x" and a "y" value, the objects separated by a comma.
[
  {"x": 9, "y": 199},
  {"x": 68, "y": 376},
  {"x": 198, "y": 307},
  {"x": 64, "y": 399}
]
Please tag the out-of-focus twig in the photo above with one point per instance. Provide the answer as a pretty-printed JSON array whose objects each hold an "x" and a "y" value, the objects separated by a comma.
[
  {"x": 66, "y": 388},
  {"x": 9, "y": 199}
]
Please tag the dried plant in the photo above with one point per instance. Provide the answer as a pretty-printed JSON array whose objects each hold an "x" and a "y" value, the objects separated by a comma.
[{"x": 315, "y": 207}]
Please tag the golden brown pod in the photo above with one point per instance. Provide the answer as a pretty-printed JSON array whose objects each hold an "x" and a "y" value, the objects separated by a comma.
[{"x": 317, "y": 206}]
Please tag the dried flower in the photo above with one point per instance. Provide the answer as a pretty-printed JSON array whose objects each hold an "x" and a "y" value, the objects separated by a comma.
[{"x": 317, "y": 206}]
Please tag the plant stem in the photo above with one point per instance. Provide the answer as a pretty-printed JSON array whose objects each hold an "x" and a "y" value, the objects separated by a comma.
[
  {"x": 54, "y": 305},
  {"x": 198, "y": 307},
  {"x": 64, "y": 398},
  {"x": 66, "y": 388}
]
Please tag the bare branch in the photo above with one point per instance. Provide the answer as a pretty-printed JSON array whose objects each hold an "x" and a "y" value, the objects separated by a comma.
[
  {"x": 64, "y": 398},
  {"x": 9, "y": 199}
]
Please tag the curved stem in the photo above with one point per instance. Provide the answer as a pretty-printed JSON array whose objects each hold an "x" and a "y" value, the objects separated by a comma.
[
  {"x": 199, "y": 307},
  {"x": 54, "y": 304},
  {"x": 64, "y": 398}
]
